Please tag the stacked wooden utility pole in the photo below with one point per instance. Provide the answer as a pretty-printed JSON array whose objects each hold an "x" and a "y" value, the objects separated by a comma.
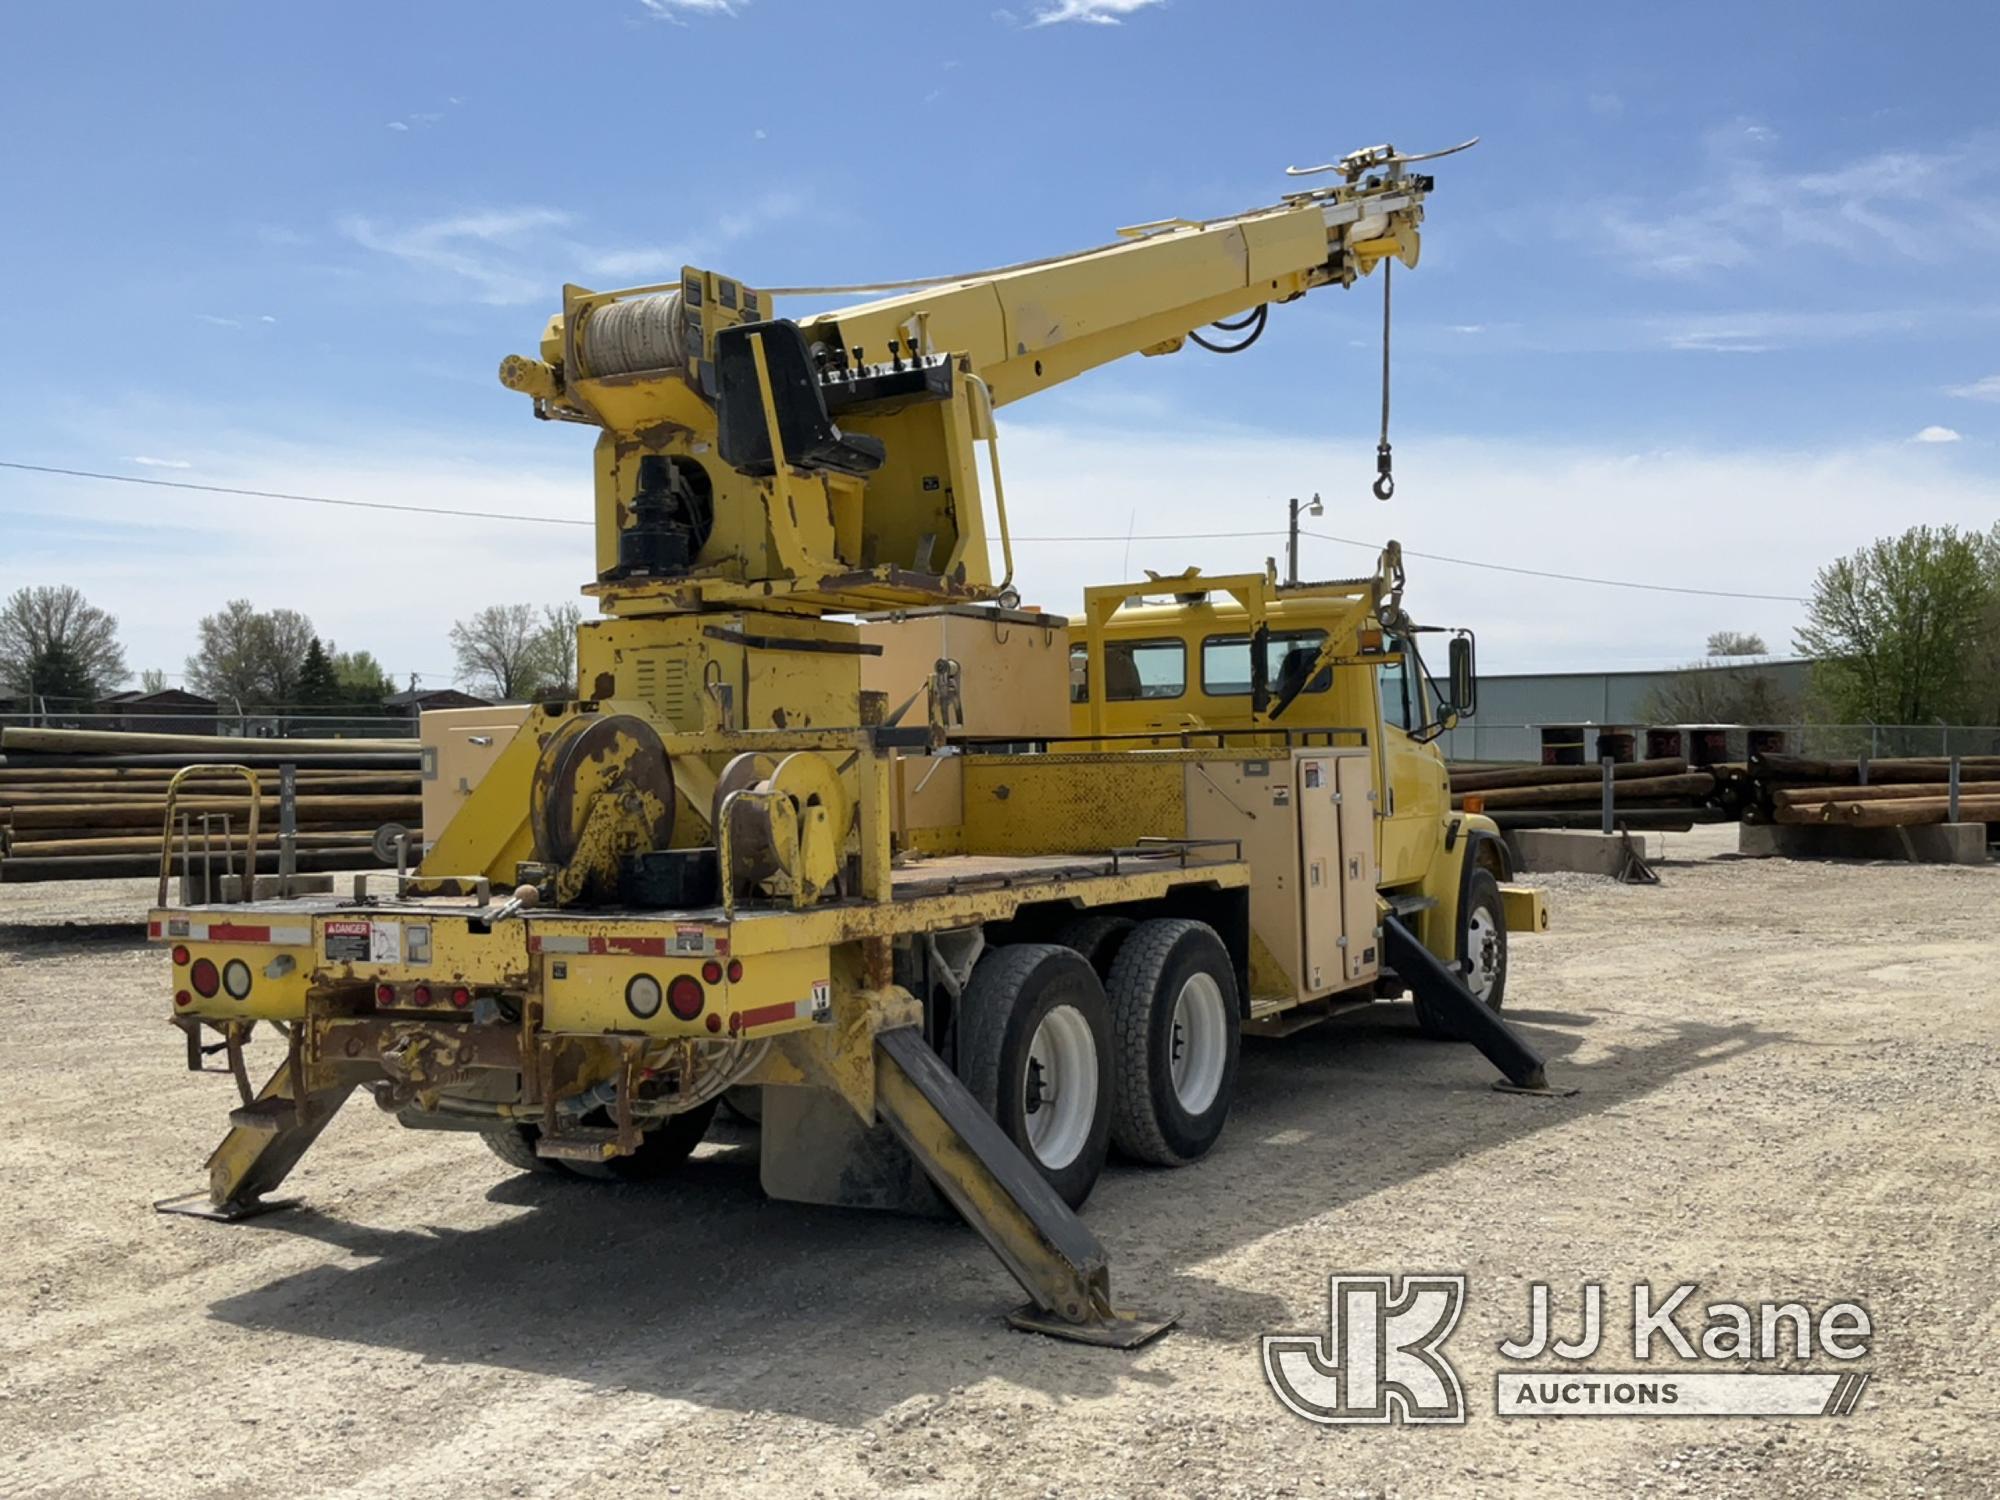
[
  {"x": 1651, "y": 794},
  {"x": 87, "y": 804},
  {"x": 1898, "y": 793}
]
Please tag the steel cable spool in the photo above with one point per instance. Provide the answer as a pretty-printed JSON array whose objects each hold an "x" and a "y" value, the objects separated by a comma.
[{"x": 635, "y": 336}]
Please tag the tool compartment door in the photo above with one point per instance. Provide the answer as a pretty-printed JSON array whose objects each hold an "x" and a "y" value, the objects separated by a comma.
[{"x": 1337, "y": 869}]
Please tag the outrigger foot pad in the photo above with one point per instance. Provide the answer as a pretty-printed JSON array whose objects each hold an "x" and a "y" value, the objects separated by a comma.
[
  {"x": 1544, "y": 1088},
  {"x": 200, "y": 1206},
  {"x": 1121, "y": 1330}
]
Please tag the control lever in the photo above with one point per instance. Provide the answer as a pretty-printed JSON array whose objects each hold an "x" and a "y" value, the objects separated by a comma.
[{"x": 524, "y": 899}]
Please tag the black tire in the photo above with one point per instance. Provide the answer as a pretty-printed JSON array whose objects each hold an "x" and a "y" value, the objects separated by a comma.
[
  {"x": 1158, "y": 961},
  {"x": 663, "y": 1148},
  {"x": 515, "y": 1145},
  {"x": 1012, "y": 990},
  {"x": 1482, "y": 893},
  {"x": 1097, "y": 936}
]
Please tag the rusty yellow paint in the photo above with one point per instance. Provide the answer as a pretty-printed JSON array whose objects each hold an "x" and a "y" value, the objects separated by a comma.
[
  {"x": 1062, "y": 805},
  {"x": 586, "y": 992},
  {"x": 279, "y": 977},
  {"x": 1525, "y": 908},
  {"x": 495, "y": 960}
]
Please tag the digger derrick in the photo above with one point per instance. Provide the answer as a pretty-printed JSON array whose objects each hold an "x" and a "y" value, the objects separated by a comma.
[{"x": 749, "y": 857}]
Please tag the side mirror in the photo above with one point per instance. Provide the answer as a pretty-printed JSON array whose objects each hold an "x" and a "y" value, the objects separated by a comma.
[{"x": 1464, "y": 675}]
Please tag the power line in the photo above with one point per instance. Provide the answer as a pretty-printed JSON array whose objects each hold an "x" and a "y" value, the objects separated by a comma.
[
  {"x": 222, "y": 489},
  {"x": 1610, "y": 583},
  {"x": 1163, "y": 536}
]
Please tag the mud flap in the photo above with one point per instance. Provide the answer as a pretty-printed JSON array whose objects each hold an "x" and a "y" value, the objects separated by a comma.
[
  {"x": 1058, "y": 1262},
  {"x": 1428, "y": 976}
]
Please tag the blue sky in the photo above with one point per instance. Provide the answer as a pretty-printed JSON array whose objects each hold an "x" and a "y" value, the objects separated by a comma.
[{"x": 1682, "y": 316}]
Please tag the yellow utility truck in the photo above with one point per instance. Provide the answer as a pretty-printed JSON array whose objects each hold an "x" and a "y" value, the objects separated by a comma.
[{"x": 819, "y": 824}]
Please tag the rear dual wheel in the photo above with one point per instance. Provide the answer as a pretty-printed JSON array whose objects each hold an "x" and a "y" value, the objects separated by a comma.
[
  {"x": 1178, "y": 1027},
  {"x": 1070, "y": 1064},
  {"x": 1034, "y": 1049}
]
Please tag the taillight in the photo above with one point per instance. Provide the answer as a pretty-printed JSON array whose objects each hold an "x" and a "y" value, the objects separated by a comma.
[
  {"x": 735, "y": 970},
  {"x": 180, "y": 954},
  {"x": 385, "y": 994},
  {"x": 461, "y": 997},
  {"x": 685, "y": 997},
  {"x": 205, "y": 978},
  {"x": 421, "y": 994},
  {"x": 184, "y": 998},
  {"x": 712, "y": 972}
]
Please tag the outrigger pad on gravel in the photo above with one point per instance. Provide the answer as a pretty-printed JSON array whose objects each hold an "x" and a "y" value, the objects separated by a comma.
[
  {"x": 1124, "y": 1329},
  {"x": 198, "y": 1206}
]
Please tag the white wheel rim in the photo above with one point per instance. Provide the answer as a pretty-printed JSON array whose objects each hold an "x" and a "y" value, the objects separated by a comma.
[
  {"x": 1198, "y": 1046},
  {"x": 1059, "y": 1091},
  {"x": 1482, "y": 952}
]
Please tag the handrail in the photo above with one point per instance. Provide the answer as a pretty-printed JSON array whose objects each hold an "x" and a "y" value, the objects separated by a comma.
[{"x": 250, "y": 834}]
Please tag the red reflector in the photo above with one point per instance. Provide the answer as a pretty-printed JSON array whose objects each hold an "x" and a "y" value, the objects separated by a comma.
[
  {"x": 385, "y": 994},
  {"x": 685, "y": 997},
  {"x": 184, "y": 998},
  {"x": 735, "y": 970},
  {"x": 461, "y": 997},
  {"x": 205, "y": 978},
  {"x": 715, "y": 1023},
  {"x": 180, "y": 954},
  {"x": 712, "y": 972},
  {"x": 421, "y": 994}
]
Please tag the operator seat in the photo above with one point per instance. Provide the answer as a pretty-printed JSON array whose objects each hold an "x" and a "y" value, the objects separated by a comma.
[{"x": 810, "y": 438}]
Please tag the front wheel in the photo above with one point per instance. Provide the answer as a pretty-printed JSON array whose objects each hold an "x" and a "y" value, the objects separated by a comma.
[
  {"x": 1035, "y": 1050},
  {"x": 1482, "y": 952}
]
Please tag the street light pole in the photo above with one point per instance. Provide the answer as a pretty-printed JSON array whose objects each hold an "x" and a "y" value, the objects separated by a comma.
[{"x": 1311, "y": 508}]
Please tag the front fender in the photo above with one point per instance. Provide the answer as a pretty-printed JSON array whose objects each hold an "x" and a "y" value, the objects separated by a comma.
[{"x": 1470, "y": 841}]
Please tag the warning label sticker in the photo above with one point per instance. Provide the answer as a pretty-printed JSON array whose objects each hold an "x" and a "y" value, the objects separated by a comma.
[
  {"x": 347, "y": 942},
  {"x": 385, "y": 942}
]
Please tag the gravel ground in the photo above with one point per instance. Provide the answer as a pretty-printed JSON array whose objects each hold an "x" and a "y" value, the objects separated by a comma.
[{"x": 1787, "y": 1090}]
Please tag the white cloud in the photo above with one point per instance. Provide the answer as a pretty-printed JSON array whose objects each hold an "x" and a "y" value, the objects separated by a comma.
[
  {"x": 216, "y": 321},
  {"x": 266, "y": 318},
  {"x": 1936, "y": 434},
  {"x": 1987, "y": 388},
  {"x": 1787, "y": 514},
  {"x": 259, "y": 544},
  {"x": 673, "y": 10},
  {"x": 1089, "y": 12},
  {"x": 1919, "y": 206},
  {"x": 160, "y": 463},
  {"x": 486, "y": 250},
  {"x": 516, "y": 255},
  {"x": 396, "y": 125}
]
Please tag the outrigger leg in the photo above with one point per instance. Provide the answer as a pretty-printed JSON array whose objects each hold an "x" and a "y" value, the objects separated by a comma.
[
  {"x": 1059, "y": 1263},
  {"x": 267, "y": 1137},
  {"x": 1503, "y": 1046}
]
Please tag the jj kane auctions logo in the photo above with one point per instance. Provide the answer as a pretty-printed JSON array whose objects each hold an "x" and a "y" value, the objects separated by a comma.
[{"x": 1381, "y": 1359}]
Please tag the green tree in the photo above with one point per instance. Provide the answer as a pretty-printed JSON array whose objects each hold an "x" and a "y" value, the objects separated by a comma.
[
  {"x": 1714, "y": 692},
  {"x": 250, "y": 656},
  {"x": 503, "y": 651},
  {"x": 54, "y": 643},
  {"x": 152, "y": 680},
  {"x": 362, "y": 678},
  {"x": 317, "y": 683},
  {"x": 1736, "y": 643},
  {"x": 560, "y": 622},
  {"x": 1898, "y": 630}
]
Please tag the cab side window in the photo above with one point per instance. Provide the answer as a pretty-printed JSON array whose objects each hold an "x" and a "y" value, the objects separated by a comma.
[
  {"x": 1396, "y": 697},
  {"x": 1225, "y": 662},
  {"x": 1133, "y": 671}
]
